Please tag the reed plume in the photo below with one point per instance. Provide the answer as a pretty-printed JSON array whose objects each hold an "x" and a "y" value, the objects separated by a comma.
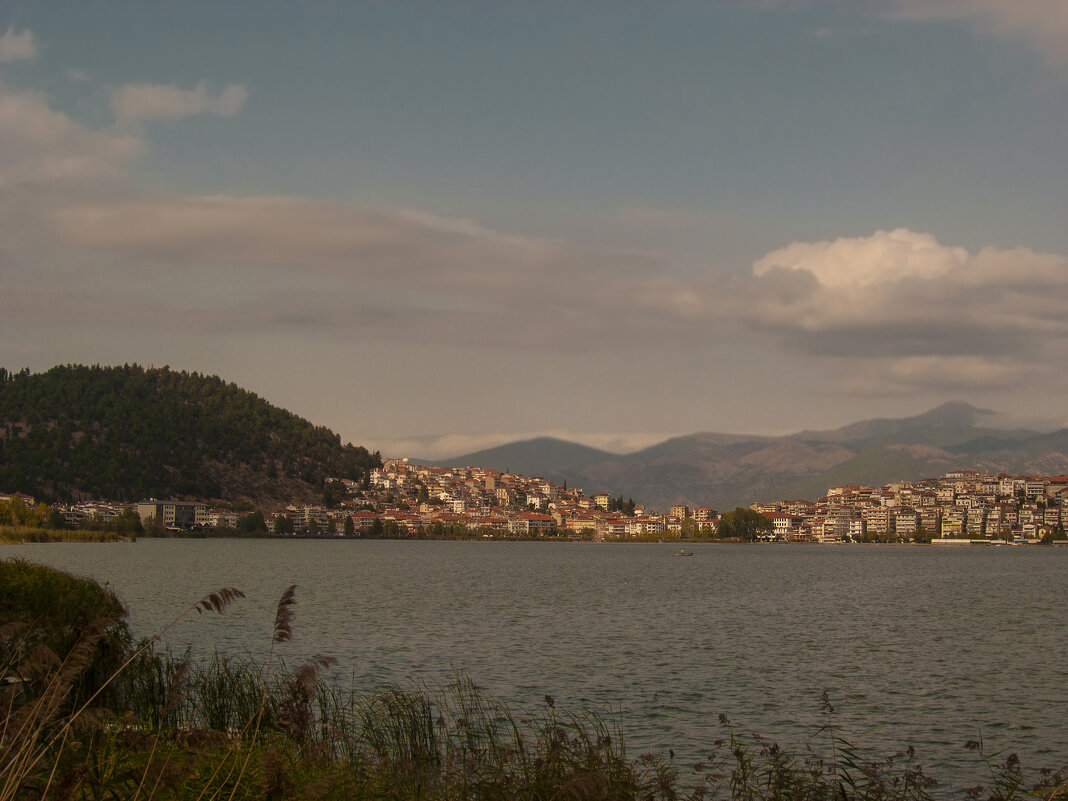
[
  {"x": 218, "y": 601},
  {"x": 283, "y": 618},
  {"x": 295, "y": 713}
]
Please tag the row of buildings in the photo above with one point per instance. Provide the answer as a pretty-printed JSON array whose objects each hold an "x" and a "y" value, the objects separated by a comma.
[
  {"x": 404, "y": 499},
  {"x": 962, "y": 505}
]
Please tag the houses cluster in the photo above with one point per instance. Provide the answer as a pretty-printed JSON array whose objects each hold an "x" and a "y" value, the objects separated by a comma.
[
  {"x": 962, "y": 506},
  {"x": 404, "y": 499},
  {"x": 409, "y": 499}
]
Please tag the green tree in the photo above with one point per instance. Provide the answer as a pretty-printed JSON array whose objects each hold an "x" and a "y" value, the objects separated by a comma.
[
  {"x": 334, "y": 492},
  {"x": 128, "y": 523},
  {"x": 153, "y": 527},
  {"x": 283, "y": 524},
  {"x": 744, "y": 524},
  {"x": 252, "y": 523},
  {"x": 350, "y": 526}
]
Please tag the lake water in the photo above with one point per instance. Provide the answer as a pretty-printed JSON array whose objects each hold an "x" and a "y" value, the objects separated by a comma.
[{"x": 924, "y": 646}]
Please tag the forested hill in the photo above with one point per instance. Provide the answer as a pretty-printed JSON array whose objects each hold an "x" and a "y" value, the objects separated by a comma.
[{"x": 128, "y": 432}]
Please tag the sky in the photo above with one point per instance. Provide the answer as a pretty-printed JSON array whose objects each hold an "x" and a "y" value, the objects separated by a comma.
[{"x": 439, "y": 226}]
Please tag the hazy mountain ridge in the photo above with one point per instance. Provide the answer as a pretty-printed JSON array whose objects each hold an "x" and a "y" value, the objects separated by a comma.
[{"x": 727, "y": 470}]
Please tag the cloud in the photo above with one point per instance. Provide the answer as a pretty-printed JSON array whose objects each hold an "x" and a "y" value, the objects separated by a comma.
[
  {"x": 450, "y": 279},
  {"x": 1041, "y": 24},
  {"x": 292, "y": 233},
  {"x": 307, "y": 267},
  {"x": 902, "y": 307},
  {"x": 19, "y": 46},
  {"x": 879, "y": 378},
  {"x": 39, "y": 145},
  {"x": 894, "y": 311},
  {"x": 144, "y": 101},
  {"x": 885, "y": 257}
]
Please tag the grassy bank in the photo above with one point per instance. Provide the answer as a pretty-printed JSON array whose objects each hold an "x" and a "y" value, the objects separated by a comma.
[
  {"x": 86, "y": 713},
  {"x": 20, "y": 534}
]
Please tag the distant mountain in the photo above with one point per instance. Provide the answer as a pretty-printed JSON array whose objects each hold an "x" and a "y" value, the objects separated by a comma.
[
  {"x": 726, "y": 470},
  {"x": 128, "y": 432},
  {"x": 553, "y": 459}
]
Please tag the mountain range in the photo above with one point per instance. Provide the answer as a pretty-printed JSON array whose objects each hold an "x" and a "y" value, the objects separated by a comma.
[
  {"x": 130, "y": 432},
  {"x": 727, "y": 470}
]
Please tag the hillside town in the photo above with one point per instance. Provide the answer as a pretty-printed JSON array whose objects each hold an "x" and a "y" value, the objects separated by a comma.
[{"x": 408, "y": 500}]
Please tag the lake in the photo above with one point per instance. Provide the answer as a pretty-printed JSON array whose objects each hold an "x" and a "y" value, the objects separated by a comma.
[{"x": 914, "y": 645}]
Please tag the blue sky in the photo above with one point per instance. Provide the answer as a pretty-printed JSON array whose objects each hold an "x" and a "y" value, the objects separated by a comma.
[{"x": 435, "y": 226}]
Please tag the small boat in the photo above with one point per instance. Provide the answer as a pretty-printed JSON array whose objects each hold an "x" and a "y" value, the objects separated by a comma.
[{"x": 683, "y": 552}]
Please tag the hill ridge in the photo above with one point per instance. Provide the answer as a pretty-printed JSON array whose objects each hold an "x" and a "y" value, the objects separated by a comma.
[{"x": 76, "y": 431}]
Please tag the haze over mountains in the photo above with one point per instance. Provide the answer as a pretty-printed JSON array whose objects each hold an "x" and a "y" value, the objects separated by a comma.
[{"x": 728, "y": 470}]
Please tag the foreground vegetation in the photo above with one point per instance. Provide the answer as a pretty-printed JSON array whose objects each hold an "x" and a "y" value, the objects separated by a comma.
[{"x": 86, "y": 713}]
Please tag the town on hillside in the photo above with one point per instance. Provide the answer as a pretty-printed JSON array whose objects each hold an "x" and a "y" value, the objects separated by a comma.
[{"x": 407, "y": 500}]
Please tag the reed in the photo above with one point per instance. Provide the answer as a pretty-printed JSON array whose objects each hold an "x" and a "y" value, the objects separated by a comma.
[{"x": 20, "y": 534}]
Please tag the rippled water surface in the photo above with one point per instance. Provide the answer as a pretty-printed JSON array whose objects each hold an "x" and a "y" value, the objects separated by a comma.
[{"x": 924, "y": 646}]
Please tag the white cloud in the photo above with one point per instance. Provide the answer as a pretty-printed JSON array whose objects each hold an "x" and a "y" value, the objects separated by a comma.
[
  {"x": 885, "y": 257},
  {"x": 39, "y": 145},
  {"x": 19, "y": 46},
  {"x": 144, "y": 101},
  {"x": 1041, "y": 24},
  {"x": 899, "y": 307}
]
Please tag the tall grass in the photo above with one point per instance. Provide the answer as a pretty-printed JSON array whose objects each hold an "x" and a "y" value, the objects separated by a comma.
[
  {"x": 141, "y": 724},
  {"x": 20, "y": 534}
]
